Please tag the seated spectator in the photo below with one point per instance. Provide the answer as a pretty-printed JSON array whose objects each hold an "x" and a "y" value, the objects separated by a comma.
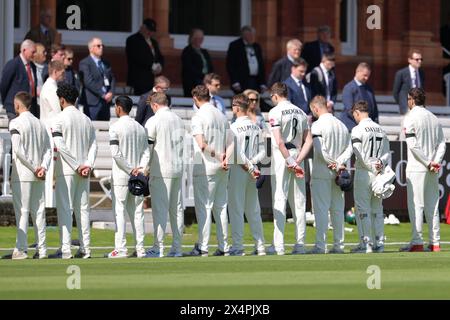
[
  {"x": 245, "y": 64},
  {"x": 299, "y": 93},
  {"x": 313, "y": 51},
  {"x": 212, "y": 82},
  {"x": 322, "y": 80},
  {"x": 195, "y": 62},
  {"x": 281, "y": 69},
  {"x": 144, "y": 111}
]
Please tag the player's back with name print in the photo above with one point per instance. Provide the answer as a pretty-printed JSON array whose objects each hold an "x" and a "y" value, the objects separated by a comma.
[
  {"x": 291, "y": 120},
  {"x": 247, "y": 137},
  {"x": 372, "y": 137}
]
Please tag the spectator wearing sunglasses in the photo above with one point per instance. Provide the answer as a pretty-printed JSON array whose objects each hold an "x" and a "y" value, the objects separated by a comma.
[
  {"x": 407, "y": 78},
  {"x": 70, "y": 76}
]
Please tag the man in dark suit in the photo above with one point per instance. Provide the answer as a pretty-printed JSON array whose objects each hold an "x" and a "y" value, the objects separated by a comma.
[
  {"x": 281, "y": 69},
  {"x": 298, "y": 90},
  {"x": 19, "y": 74},
  {"x": 44, "y": 33},
  {"x": 407, "y": 78},
  {"x": 98, "y": 83},
  {"x": 144, "y": 58},
  {"x": 357, "y": 90},
  {"x": 313, "y": 51},
  {"x": 144, "y": 111},
  {"x": 195, "y": 62},
  {"x": 57, "y": 53},
  {"x": 322, "y": 80},
  {"x": 245, "y": 64}
]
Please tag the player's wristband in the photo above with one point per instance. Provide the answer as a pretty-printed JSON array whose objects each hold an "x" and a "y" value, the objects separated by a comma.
[{"x": 291, "y": 162}]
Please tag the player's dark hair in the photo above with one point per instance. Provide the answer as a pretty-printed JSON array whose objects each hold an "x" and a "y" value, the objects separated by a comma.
[
  {"x": 241, "y": 101},
  {"x": 125, "y": 103},
  {"x": 201, "y": 93},
  {"x": 25, "y": 98},
  {"x": 418, "y": 96},
  {"x": 68, "y": 92},
  {"x": 279, "y": 89},
  {"x": 361, "y": 106},
  {"x": 328, "y": 56},
  {"x": 159, "y": 98}
]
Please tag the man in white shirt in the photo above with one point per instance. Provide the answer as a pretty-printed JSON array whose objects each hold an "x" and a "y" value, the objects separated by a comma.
[
  {"x": 322, "y": 80},
  {"x": 130, "y": 153},
  {"x": 74, "y": 138},
  {"x": 31, "y": 157},
  {"x": 291, "y": 143},
  {"x": 371, "y": 149},
  {"x": 249, "y": 150},
  {"x": 166, "y": 136},
  {"x": 332, "y": 150},
  {"x": 212, "y": 135},
  {"x": 49, "y": 108},
  {"x": 426, "y": 149}
]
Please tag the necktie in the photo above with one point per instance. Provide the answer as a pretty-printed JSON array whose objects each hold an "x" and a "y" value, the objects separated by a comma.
[
  {"x": 417, "y": 79},
  {"x": 302, "y": 89},
  {"x": 31, "y": 80},
  {"x": 214, "y": 101},
  {"x": 330, "y": 82},
  {"x": 100, "y": 67}
]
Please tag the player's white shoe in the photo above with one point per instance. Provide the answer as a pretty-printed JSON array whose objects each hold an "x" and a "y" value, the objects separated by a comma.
[
  {"x": 154, "y": 253},
  {"x": 38, "y": 255},
  {"x": 362, "y": 249},
  {"x": 82, "y": 255},
  {"x": 19, "y": 255},
  {"x": 259, "y": 252},
  {"x": 316, "y": 250},
  {"x": 116, "y": 254},
  {"x": 220, "y": 253},
  {"x": 272, "y": 251},
  {"x": 298, "y": 249},
  {"x": 197, "y": 252},
  {"x": 336, "y": 250}
]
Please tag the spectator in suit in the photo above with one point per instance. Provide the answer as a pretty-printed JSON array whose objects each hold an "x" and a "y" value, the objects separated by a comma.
[
  {"x": 313, "y": 51},
  {"x": 195, "y": 62},
  {"x": 44, "y": 33},
  {"x": 298, "y": 90},
  {"x": 245, "y": 64},
  {"x": 98, "y": 82},
  {"x": 407, "y": 78},
  {"x": 322, "y": 80},
  {"x": 40, "y": 61},
  {"x": 144, "y": 58},
  {"x": 19, "y": 74},
  {"x": 144, "y": 111},
  {"x": 70, "y": 76},
  {"x": 357, "y": 90},
  {"x": 281, "y": 69},
  {"x": 57, "y": 53},
  {"x": 212, "y": 82}
]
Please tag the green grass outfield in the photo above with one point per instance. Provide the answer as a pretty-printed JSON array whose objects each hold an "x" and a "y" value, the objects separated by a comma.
[{"x": 403, "y": 275}]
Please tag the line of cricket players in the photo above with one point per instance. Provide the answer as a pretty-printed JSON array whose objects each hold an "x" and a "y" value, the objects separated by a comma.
[{"x": 225, "y": 170}]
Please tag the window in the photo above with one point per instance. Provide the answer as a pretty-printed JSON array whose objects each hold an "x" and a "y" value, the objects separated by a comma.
[
  {"x": 21, "y": 19},
  {"x": 220, "y": 20},
  {"x": 214, "y": 17},
  {"x": 348, "y": 27},
  {"x": 119, "y": 20},
  {"x": 116, "y": 17},
  {"x": 16, "y": 13}
]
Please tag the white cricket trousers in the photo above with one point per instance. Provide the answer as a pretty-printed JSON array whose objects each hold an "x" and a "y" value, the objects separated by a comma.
[
  {"x": 167, "y": 202},
  {"x": 123, "y": 202},
  {"x": 243, "y": 198},
  {"x": 72, "y": 196},
  {"x": 50, "y": 175},
  {"x": 327, "y": 197},
  {"x": 423, "y": 197},
  {"x": 287, "y": 187},
  {"x": 369, "y": 209},
  {"x": 210, "y": 197},
  {"x": 28, "y": 198}
]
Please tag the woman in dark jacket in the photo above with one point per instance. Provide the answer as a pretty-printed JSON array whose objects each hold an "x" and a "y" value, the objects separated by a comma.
[{"x": 195, "y": 62}]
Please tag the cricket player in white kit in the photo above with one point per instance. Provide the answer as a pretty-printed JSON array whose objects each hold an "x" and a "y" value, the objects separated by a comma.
[
  {"x": 248, "y": 151},
  {"x": 166, "y": 135},
  {"x": 291, "y": 143},
  {"x": 49, "y": 108},
  {"x": 371, "y": 149},
  {"x": 74, "y": 138},
  {"x": 426, "y": 149},
  {"x": 30, "y": 161},
  {"x": 332, "y": 150},
  {"x": 212, "y": 135},
  {"x": 130, "y": 153}
]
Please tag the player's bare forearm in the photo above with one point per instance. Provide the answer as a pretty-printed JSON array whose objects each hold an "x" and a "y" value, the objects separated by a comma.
[{"x": 306, "y": 148}]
